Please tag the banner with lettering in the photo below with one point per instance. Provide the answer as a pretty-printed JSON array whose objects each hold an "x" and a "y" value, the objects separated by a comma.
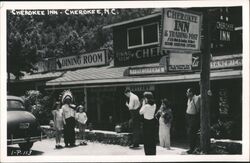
[
  {"x": 181, "y": 30},
  {"x": 84, "y": 60}
]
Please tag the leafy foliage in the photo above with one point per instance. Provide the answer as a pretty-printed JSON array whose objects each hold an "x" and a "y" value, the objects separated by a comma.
[
  {"x": 32, "y": 38},
  {"x": 39, "y": 105}
]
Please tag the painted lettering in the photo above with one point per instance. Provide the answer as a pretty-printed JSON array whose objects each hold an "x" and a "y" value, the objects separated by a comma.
[{"x": 181, "y": 26}]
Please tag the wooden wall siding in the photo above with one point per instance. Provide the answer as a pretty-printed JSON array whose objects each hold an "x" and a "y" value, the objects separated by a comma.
[{"x": 120, "y": 42}]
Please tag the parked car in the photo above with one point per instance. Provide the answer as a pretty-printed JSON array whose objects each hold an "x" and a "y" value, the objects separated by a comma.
[{"x": 22, "y": 126}]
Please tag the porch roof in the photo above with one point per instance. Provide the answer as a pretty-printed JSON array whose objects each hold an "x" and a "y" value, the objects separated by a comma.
[{"x": 114, "y": 76}]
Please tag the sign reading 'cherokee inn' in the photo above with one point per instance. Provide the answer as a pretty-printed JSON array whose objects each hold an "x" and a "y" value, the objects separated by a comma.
[
  {"x": 84, "y": 60},
  {"x": 181, "y": 30}
]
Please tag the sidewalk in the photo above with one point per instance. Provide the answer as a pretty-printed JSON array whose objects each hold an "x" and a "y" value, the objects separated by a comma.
[
  {"x": 117, "y": 144},
  {"x": 96, "y": 148}
]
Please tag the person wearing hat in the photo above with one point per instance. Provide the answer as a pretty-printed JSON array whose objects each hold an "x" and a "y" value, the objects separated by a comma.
[
  {"x": 82, "y": 118},
  {"x": 149, "y": 123},
  {"x": 69, "y": 121}
]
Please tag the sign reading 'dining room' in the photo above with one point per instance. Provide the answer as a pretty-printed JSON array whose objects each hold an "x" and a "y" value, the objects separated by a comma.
[
  {"x": 181, "y": 30},
  {"x": 84, "y": 60}
]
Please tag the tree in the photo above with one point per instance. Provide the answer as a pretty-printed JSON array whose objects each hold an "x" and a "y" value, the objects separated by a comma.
[
  {"x": 32, "y": 38},
  {"x": 23, "y": 41}
]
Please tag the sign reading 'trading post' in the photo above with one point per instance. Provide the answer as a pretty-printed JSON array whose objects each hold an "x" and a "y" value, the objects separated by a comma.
[{"x": 181, "y": 30}]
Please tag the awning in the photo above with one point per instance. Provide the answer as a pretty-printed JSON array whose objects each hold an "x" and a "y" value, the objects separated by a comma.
[{"x": 113, "y": 76}]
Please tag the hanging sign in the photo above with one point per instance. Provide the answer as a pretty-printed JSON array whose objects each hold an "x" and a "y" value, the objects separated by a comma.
[
  {"x": 220, "y": 62},
  {"x": 181, "y": 30},
  {"x": 180, "y": 62},
  {"x": 144, "y": 70},
  {"x": 141, "y": 88}
]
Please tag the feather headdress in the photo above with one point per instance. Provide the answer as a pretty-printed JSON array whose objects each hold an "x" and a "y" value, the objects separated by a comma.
[{"x": 67, "y": 94}]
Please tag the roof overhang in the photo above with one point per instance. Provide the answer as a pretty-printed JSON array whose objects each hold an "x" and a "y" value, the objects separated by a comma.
[
  {"x": 132, "y": 21},
  {"x": 161, "y": 79}
]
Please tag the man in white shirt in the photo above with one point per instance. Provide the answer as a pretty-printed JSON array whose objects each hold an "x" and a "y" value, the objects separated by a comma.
[
  {"x": 193, "y": 116},
  {"x": 69, "y": 122},
  {"x": 133, "y": 106},
  {"x": 193, "y": 107}
]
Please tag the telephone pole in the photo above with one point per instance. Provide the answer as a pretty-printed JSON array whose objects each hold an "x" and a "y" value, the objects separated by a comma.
[{"x": 205, "y": 85}]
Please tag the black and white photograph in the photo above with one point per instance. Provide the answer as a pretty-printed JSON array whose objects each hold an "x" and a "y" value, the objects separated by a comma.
[{"x": 124, "y": 81}]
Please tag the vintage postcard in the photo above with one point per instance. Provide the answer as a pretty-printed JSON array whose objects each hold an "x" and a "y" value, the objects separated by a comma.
[{"x": 125, "y": 81}]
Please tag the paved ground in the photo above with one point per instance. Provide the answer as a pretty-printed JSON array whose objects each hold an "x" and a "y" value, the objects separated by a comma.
[{"x": 47, "y": 148}]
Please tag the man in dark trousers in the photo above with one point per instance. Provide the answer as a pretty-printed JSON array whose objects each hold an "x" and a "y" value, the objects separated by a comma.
[
  {"x": 133, "y": 106},
  {"x": 69, "y": 122},
  {"x": 192, "y": 115}
]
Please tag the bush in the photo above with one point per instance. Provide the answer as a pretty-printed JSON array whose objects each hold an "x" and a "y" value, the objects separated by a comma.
[
  {"x": 39, "y": 105},
  {"x": 223, "y": 130}
]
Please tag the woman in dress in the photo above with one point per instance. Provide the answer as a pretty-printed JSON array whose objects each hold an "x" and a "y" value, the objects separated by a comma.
[{"x": 165, "y": 119}]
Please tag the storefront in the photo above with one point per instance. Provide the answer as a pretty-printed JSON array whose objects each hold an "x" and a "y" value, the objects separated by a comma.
[
  {"x": 105, "y": 100},
  {"x": 141, "y": 64}
]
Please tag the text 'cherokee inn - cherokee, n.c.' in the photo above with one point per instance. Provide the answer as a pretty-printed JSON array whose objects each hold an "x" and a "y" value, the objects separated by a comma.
[{"x": 160, "y": 53}]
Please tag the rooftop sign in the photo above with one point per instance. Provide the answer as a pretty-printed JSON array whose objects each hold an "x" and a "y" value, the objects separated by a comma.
[
  {"x": 84, "y": 60},
  {"x": 181, "y": 30},
  {"x": 97, "y": 58}
]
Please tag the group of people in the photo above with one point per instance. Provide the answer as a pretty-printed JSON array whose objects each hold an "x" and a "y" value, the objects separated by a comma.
[
  {"x": 149, "y": 112},
  {"x": 65, "y": 117},
  {"x": 164, "y": 116}
]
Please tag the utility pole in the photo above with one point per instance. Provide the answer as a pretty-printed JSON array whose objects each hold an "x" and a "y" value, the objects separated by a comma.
[{"x": 205, "y": 85}]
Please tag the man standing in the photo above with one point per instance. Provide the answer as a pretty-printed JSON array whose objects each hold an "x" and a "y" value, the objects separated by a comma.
[
  {"x": 133, "y": 107},
  {"x": 192, "y": 118},
  {"x": 69, "y": 122}
]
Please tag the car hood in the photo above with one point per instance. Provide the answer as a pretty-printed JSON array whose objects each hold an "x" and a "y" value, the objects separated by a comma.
[
  {"x": 20, "y": 117},
  {"x": 22, "y": 124}
]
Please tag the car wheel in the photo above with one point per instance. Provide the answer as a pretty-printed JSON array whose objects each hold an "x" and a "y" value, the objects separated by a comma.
[{"x": 25, "y": 146}]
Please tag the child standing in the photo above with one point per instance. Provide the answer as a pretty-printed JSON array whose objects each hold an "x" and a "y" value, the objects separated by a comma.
[
  {"x": 82, "y": 118},
  {"x": 58, "y": 124}
]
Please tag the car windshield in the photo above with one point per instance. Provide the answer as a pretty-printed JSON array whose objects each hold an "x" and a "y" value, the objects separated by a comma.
[{"x": 14, "y": 104}]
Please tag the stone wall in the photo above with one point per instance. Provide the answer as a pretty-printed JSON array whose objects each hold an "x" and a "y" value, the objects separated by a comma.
[{"x": 106, "y": 137}]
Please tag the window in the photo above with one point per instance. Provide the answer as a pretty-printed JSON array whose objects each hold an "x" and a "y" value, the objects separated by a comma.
[
  {"x": 143, "y": 35},
  {"x": 14, "y": 104},
  {"x": 135, "y": 36},
  {"x": 150, "y": 33}
]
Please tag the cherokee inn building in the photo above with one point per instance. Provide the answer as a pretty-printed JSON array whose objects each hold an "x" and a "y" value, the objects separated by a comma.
[{"x": 159, "y": 53}]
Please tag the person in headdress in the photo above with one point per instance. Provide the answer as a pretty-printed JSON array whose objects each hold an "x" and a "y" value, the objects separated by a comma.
[{"x": 68, "y": 119}]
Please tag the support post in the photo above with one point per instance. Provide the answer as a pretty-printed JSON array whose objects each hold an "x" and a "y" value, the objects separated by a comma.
[{"x": 205, "y": 85}]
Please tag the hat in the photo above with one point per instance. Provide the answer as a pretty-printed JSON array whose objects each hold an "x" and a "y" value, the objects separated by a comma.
[{"x": 79, "y": 107}]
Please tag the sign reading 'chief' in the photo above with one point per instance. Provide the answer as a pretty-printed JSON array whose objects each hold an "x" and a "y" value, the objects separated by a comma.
[
  {"x": 85, "y": 60},
  {"x": 181, "y": 30}
]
